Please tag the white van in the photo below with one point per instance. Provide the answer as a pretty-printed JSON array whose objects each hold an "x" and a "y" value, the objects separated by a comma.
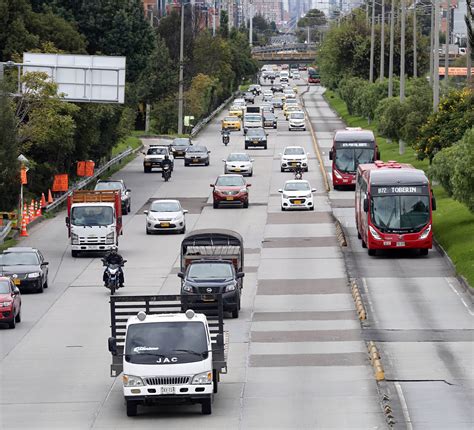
[{"x": 252, "y": 120}]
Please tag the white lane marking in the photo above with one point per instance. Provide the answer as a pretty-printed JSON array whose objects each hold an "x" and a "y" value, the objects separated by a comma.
[
  {"x": 466, "y": 305},
  {"x": 404, "y": 406}
]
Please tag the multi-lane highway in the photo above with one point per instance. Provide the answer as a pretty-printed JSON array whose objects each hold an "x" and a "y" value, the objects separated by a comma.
[{"x": 297, "y": 355}]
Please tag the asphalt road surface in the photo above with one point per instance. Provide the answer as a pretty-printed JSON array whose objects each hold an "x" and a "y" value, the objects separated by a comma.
[{"x": 297, "y": 355}]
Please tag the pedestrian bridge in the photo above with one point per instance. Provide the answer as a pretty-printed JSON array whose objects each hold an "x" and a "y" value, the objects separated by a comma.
[{"x": 282, "y": 57}]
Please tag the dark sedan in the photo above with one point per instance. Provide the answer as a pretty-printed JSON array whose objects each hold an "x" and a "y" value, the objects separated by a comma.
[
  {"x": 27, "y": 268},
  {"x": 269, "y": 120},
  {"x": 230, "y": 189},
  {"x": 256, "y": 137},
  {"x": 197, "y": 155},
  {"x": 10, "y": 302},
  {"x": 180, "y": 146},
  {"x": 277, "y": 88},
  {"x": 249, "y": 97}
]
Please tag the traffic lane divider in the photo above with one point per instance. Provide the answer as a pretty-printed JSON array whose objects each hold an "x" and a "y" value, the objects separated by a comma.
[{"x": 360, "y": 308}]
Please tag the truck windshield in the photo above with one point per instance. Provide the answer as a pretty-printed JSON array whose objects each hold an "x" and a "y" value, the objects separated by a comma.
[
  {"x": 400, "y": 213},
  {"x": 166, "y": 343},
  {"x": 210, "y": 271},
  {"x": 92, "y": 215},
  {"x": 347, "y": 159}
]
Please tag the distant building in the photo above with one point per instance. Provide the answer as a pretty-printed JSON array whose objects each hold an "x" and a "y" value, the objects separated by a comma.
[{"x": 271, "y": 10}]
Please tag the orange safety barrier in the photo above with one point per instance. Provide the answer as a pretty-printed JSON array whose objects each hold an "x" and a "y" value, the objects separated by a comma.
[
  {"x": 61, "y": 183},
  {"x": 85, "y": 168}
]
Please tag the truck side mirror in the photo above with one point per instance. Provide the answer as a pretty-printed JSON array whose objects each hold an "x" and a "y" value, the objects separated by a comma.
[
  {"x": 433, "y": 203},
  {"x": 366, "y": 205},
  {"x": 181, "y": 275},
  {"x": 68, "y": 221},
  {"x": 113, "y": 345}
]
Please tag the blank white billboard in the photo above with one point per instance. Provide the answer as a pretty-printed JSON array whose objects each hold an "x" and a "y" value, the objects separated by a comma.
[{"x": 82, "y": 78}]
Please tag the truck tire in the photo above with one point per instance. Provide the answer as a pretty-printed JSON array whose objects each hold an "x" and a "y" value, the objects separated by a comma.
[
  {"x": 132, "y": 408},
  {"x": 215, "y": 381},
  {"x": 206, "y": 406}
]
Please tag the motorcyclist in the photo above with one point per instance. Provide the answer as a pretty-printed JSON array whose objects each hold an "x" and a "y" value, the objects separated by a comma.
[
  {"x": 113, "y": 257},
  {"x": 166, "y": 162},
  {"x": 298, "y": 170},
  {"x": 225, "y": 135}
]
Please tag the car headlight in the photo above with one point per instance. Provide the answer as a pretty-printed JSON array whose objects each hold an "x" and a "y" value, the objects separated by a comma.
[
  {"x": 374, "y": 233},
  {"x": 230, "y": 288},
  {"x": 243, "y": 190},
  {"x": 74, "y": 238},
  {"x": 308, "y": 196},
  {"x": 132, "y": 381},
  {"x": 285, "y": 196},
  {"x": 110, "y": 237},
  {"x": 34, "y": 275},
  {"x": 188, "y": 288},
  {"x": 425, "y": 234},
  {"x": 337, "y": 175},
  {"x": 5, "y": 304},
  {"x": 202, "y": 378}
]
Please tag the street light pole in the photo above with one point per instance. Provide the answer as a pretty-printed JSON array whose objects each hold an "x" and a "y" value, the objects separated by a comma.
[
  {"x": 446, "y": 45},
  {"x": 415, "y": 53},
  {"x": 181, "y": 72},
  {"x": 468, "y": 49},
  {"x": 372, "y": 44},
  {"x": 251, "y": 23},
  {"x": 436, "y": 57},
  {"x": 402, "y": 51},
  {"x": 392, "y": 36},
  {"x": 431, "y": 45},
  {"x": 382, "y": 43}
]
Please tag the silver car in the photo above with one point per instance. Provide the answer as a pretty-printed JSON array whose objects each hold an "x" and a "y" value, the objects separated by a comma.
[
  {"x": 238, "y": 162},
  {"x": 165, "y": 215}
]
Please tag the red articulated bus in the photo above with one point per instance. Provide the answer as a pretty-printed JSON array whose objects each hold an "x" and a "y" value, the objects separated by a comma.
[
  {"x": 351, "y": 147},
  {"x": 313, "y": 76},
  {"x": 393, "y": 207}
]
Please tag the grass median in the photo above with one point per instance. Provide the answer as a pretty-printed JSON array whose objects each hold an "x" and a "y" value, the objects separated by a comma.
[{"x": 453, "y": 224}]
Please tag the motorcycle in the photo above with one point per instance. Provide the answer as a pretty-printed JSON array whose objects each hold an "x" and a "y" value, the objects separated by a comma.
[
  {"x": 225, "y": 137},
  {"x": 298, "y": 171},
  {"x": 166, "y": 172},
  {"x": 112, "y": 276}
]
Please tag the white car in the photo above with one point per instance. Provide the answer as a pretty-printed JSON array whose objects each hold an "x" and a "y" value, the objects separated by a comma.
[
  {"x": 296, "y": 75},
  {"x": 238, "y": 162},
  {"x": 297, "y": 194},
  {"x": 155, "y": 155},
  {"x": 292, "y": 155},
  {"x": 296, "y": 121},
  {"x": 165, "y": 215},
  {"x": 289, "y": 93},
  {"x": 267, "y": 96}
]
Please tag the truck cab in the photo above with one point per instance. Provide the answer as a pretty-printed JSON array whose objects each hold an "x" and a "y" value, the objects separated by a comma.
[{"x": 154, "y": 156}]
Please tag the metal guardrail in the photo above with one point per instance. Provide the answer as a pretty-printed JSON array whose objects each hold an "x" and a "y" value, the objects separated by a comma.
[
  {"x": 117, "y": 159},
  {"x": 5, "y": 230}
]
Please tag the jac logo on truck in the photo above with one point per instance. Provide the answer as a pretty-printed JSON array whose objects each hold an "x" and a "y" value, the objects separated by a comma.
[{"x": 166, "y": 360}]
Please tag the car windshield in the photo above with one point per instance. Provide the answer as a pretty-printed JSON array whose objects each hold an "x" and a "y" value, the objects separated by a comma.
[
  {"x": 294, "y": 151},
  {"x": 108, "y": 186},
  {"x": 181, "y": 142},
  {"x": 230, "y": 181},
  {"x": 400, "y": 213},
  {"x": 210, "y": 271},
  {"x": 297, "y": 186},
  {"x": 276, "y": 100},
  {"x": 253, "y": 118},
  {"x": 347, "y": 159},
  {"x": 269, "y": 117},
  {"x": 165, "y": 207},
  {"x": 197, "y": 149},
  {"x": 19, "y": 259},
  {"x": 4, "y": 287},
  {"x": 166, "y": 343},
  {"x": 297, "y": 115},
  {"x": 230, "y": 119},
  {"x": 292, "y": 102},
  {"x": 255, "y": 132},
  {"x": 92, "y": 215},
  {"x": 156, "y": 151},
  {"x": 238, "y": 157}
]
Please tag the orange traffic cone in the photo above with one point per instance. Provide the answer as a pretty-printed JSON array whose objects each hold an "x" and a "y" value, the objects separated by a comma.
[
  {"x": 23, "y": 232},
  {"x": 50, "y": 197},
  {"x": 31, "y": 212},
  {"x": 25, "y": 215},
  {"x": 38, "y": 210},
  {"x": 43, "y": 201}
]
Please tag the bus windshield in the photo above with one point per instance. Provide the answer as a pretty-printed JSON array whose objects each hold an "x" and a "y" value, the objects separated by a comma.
[
  {"x": 347, "y": 159},
  {"x": 400, "y": 213}
]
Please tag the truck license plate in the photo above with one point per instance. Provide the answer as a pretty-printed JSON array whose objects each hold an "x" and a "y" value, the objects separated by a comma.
[
  {"x": 400, "y": 243},
  {"x": 167, "y": 390}
]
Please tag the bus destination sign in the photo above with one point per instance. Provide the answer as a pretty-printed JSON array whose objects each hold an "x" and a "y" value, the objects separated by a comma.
[
  {"x": 399, "y": 189},
  {"x": 340, "y": 145}
]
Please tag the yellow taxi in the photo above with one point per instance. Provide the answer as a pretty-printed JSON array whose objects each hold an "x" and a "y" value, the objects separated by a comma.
[
  {"x": 231, "y": 123},
  {"x": 287, "y": 108},
  {"x": 236, "y": 111}
]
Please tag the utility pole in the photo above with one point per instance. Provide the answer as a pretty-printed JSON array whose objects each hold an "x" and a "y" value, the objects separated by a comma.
[
  {"x": 468, "y": 49},
  {"x": 431, "y": 45},
  {"x": 382, "y": 43},
  {"x": 308, "y": 39},
  {"x": 181, "y": 72},
  {"x": 367, "y": 13},
  {"x": 251, "y": 24},
  {"x": 229, "y": 15},
  {"x": 392, "y": 36},
  {"x": 402, "y": 51},
  {"x": 372, "y": 44},
  {"x": 415, "y": 53},
  {"x": 446, "y": 45},
  {"x": 436, "y": 57}
]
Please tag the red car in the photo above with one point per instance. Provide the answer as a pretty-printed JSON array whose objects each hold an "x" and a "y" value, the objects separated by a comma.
[
  {"x": 10, "y": 302},
  {"x": 230, "y": 190}
]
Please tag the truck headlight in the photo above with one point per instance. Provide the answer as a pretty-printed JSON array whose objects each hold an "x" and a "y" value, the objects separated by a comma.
[
  {"x": 34, "y": 275},
  {"x": 230, "y": 288},
  {"x": 374, "y": 233},
  {"x": 132, "y": 381},
  {"x": 74, "y": 239},
  {"x": 202, "y": 378},
  {"x": 110, "y": 237},
  {"x": 425, "y": 234}
]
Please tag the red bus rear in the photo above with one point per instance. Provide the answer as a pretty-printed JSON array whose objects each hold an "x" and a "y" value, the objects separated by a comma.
[
  {"x": 313, "y": 76},
  {"x": 351, "y": 147},
  {"x": 393, "y": 207}
]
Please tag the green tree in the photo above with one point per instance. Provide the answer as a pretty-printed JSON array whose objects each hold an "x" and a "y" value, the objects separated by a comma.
[
  {"x": 312, "y": 18},
  {"x": 260, "y": 24},
  {"x": 9, "y": 165},
  {"x": 390, "y": 114},
  {"x": 201, "y": 95},
  {"x": 349, "y": 90}
]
